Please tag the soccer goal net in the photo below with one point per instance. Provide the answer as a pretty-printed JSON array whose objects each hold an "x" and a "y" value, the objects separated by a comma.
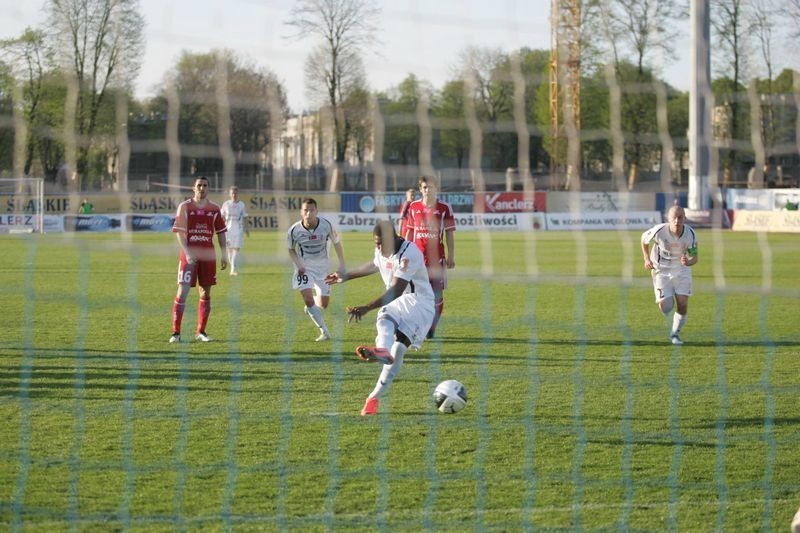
[
  {"x": 23, "y": 205},
  {"x": 598, "y": 397}
]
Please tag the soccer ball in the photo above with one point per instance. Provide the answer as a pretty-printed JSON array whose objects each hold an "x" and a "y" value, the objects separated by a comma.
[{"x": 450, "y": 396}]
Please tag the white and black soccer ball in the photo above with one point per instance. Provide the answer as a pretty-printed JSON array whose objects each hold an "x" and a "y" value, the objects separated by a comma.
[{"x": 450, "y": 396}]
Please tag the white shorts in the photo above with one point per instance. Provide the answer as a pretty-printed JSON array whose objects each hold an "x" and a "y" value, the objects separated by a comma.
[
  {"x": 668, "y": 283},
  {"x": 412, "y": 317},
  {"x": 314, "y": 278},
  {"x": 234, "y": 239}
]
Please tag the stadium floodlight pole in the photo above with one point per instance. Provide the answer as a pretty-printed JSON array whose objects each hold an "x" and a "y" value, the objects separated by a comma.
[{"x": 700, "y": 101}]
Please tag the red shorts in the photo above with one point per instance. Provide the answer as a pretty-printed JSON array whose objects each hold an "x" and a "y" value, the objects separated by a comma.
[{"x": 202, "y": 272}]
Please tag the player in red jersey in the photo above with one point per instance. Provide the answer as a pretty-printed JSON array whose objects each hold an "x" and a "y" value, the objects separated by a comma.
[
  {"x": 431, "y": 224},
  {"x": 197, "y": 221},
  {"x": 410, "y": 196}
]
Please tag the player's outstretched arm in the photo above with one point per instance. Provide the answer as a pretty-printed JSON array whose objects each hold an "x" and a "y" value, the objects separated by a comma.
[
  {"x": 397, "y": 288},
  {"x": 340, "y": 277}
]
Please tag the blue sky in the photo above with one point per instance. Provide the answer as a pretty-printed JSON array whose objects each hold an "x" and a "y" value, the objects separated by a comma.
[{"x": 423, "y": 37}]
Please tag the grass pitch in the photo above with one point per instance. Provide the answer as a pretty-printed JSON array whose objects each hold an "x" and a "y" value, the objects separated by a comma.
[{"x": 581, "y": 415}]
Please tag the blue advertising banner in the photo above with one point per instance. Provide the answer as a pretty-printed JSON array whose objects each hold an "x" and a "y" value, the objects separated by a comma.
[
  {"x": 92, "y": 222},
  {"x": 390, "y": 202},
  {"x": 159, "y": 223}
]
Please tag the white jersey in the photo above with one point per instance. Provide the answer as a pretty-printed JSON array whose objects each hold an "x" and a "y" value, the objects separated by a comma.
[
  {"x": 312, "y": 243},
  {"x": 668, "y": 249},
  {"x": 235, "y": 216},
  {"x": 412, "y": 311},
  {"x": 407, "y": 263}
]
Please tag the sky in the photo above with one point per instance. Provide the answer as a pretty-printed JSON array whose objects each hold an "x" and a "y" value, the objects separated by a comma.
[{"x": 417, "y": 36}]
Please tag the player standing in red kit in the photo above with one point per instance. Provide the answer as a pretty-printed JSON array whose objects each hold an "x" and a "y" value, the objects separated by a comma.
[
  {"x": 410, "y": 195},
  {"x": 430, "y": 225},
  {"x": 196, "y": 222}
]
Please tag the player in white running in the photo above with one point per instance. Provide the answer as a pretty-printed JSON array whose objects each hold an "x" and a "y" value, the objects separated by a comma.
[
  {"x": 235, "y": 215},
  {"x": 673, "y": 252},
  {"x": 405, "y": 309},
  {"x": 307, "y": 241}
]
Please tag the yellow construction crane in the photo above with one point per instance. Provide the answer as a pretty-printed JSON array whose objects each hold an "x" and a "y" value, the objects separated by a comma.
[{"x": 565, "y": 71}]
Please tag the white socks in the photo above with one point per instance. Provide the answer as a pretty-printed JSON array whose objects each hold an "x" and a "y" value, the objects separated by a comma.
[
  {"x": 233, "y": 259},
  {"x": 316, "y": 317},
  {"x": 678, "y": 321},
  {"x": 388, "y": 373}
]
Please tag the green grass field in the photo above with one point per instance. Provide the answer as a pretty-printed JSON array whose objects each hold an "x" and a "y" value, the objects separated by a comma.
[{"x": 581, "y": 415}]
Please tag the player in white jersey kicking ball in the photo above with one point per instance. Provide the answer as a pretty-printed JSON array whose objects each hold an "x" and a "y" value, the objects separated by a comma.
[
  {"x": 307, "y": 241},
  {"x": 669, "y": 260},
  {"x": 405, "y": 309}
]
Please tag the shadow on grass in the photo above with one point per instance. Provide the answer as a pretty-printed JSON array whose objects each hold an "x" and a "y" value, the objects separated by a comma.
[{"x": 614, "y": 342}]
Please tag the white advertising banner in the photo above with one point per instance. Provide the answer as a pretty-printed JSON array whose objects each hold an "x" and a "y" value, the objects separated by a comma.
[
  {"x": 28, "y": 223},
  {"x": 771, "y": 221},
  {"x": 781, "y": 197},
  {"x": 753, "y": 199},
  {"x": 464, "y": 221},
  {"x": 602, "y": 221},
  {"x": 600, "y": 202}
]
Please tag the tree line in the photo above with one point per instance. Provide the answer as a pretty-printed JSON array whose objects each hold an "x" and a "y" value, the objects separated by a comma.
[{"x": 68, "y": 111}]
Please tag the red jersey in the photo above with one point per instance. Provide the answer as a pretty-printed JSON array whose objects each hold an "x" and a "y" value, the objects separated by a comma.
[
  {"x": 428, "y": 225},
  {"x": 200, "y": 224}
]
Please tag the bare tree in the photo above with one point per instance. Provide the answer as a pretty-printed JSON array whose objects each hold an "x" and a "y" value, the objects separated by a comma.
[
  {"x": 794, "y": 14},
  {"x": 762, "y": 22},
  {"x": 26, "y": 57},
  {"x": 99, "y": 44},
  {"x": 343, "y": 28},
  {"x": 633, "y": 32},
  {"x": 728, "y": 20}
]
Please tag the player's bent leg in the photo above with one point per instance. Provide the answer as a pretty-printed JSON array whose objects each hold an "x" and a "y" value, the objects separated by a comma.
[
  {"x": 666, "y": 305},
  {"x": 390, "y": 370},
  {"x": 315, "y": 314},
  {"x": 386, "y": 329},
  {"x": 374, "y": 354}
]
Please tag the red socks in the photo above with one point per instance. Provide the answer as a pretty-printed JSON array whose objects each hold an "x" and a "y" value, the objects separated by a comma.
[
  {"x": 177, "y": 315},
  {"x": 203, "y": 311}
]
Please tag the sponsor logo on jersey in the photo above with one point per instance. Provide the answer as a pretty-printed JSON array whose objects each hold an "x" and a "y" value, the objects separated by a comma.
[{"x": 199, "y": 238}]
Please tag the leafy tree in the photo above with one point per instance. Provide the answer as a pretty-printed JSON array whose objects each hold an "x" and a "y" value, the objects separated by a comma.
[
  {"x": 402, "y": 135},
  {"x": 26, "y": 57},
  {"x": 357, "y": 107},
  {"x": 224, "y": 105},
  {"x": 99, "y": 45},
  {"x": 448, "y": 110},
  {"x": 7, "y": 83}
]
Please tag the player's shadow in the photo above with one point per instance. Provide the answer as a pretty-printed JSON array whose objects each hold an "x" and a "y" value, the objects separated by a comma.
[
  {"x": 748, "y": 422},
  {"x": 514, "y": 341}
]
